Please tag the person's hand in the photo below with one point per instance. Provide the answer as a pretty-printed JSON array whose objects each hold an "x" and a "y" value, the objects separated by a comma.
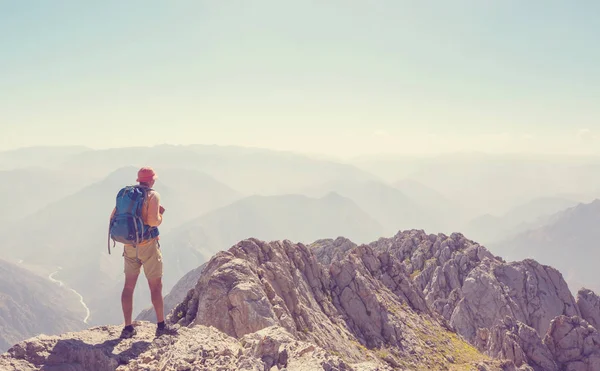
[{"x": 161, "y": 210}]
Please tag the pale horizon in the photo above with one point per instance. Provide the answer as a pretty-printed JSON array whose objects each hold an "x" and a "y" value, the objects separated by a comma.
[{"x": 334, "y": 156}]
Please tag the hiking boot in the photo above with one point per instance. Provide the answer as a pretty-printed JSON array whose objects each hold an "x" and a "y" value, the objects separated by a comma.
[
  {"x": 165, "y": 330},
  {"x": 128, "y": 332}
]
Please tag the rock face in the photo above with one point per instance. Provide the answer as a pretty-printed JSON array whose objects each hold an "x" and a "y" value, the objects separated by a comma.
[
  {"x": 197, "y": 348},
  {"x": 328, "y": 251},
  {"x": 472, "y": 289},
  {"x": 589, "y": 306},
  {"x": 574, "y": 343},
  {"x": 526, "y": 291},
  {"x": 505, "y": 309},
  {"x": 95, "y": 349},
  {"x": 570, "y": 344},
  {"x": 517, "y": 342}
]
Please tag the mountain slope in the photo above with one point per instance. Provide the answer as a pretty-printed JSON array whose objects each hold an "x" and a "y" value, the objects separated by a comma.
[
  {"x": 384, "y": 203},
  {"x": 489, "y": 229},
  {"x": 567, "y": 241},
  {"x": 30, "y": 305},
  {"x": 29, "y": 189}
]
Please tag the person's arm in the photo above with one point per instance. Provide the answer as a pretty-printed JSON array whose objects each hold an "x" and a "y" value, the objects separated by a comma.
[
  {"x": 154, "y": 215},
  {"x": 113, "y": 213}
]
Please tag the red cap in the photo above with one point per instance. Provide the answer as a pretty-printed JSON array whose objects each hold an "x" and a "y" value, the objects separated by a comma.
[{"x": 146, "y": 175}]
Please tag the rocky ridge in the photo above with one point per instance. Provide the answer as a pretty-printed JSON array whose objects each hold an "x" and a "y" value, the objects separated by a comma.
[
  {"x": 359, "y": 307},
  {"x": 471, "y": 288},
  {"x": 196, "y": 348},
  {"x": 518, "y": 311},
  {"x": 589, "y": 306},
  {"x": 414, "y": 301}
]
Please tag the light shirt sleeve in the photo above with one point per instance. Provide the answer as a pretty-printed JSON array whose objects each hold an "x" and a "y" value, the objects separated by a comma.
[{"x": 154, "y": 216}]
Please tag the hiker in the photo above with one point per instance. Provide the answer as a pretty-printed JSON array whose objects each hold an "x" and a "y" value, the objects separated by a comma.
[{"x": 134, "y": 222}]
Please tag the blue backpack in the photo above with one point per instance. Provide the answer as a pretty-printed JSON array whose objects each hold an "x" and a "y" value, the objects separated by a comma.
[{"x": 126, "y": 226}]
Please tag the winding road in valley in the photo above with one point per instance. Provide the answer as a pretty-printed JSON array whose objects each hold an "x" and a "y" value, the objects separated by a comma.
[{"x": 60, "y": 283}]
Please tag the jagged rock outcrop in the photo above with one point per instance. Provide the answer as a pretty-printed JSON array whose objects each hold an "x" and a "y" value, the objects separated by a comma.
[
  {"x": 517, "y": 342},
  {"x": 571, "y": 344},
  {"x": 473, "y": 289},
  {"x": 527, "y": 291},
  {"x": 589, "y": 306},
  {"x": 98, "y": 348},
  {"x": 359, "y": 304},
  {"x": 197, "y": 348},
  {"x": 262, "y": 280},
  {"x": 574, "y": 343},
  {"x": 328, "y": 251}
]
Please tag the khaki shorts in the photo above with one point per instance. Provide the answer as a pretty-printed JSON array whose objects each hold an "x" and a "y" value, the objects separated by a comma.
[{"x": 150, "y": 256}]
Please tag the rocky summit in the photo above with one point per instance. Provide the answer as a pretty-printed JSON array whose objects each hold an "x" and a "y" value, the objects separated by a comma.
[{"x": 415, "y": 301}]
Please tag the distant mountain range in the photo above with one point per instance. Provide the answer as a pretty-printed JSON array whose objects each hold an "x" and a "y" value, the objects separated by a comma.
[
  {"x": 493, "y": 184},
  {"x": 388, "y": 205},
  {"x": 248, "y": 170},
  {"x": 533, "y": 214}
]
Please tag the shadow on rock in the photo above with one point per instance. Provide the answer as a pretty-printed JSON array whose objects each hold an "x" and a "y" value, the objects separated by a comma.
[{"x": 76, "y": 355}]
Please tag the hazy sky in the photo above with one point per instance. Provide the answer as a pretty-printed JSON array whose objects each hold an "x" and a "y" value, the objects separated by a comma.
[{"x": 338, "y": 77}]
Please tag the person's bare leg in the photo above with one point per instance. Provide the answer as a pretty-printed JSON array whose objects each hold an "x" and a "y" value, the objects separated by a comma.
[
  {"x": 157, "y": 298},
  {"x": 127, "y": 297}
]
